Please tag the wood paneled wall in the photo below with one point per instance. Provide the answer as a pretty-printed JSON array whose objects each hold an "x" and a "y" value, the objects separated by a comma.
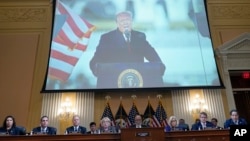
[{"x": 25, "y": 27}]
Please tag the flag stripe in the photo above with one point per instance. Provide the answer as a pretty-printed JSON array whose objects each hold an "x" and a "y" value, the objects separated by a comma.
[
  {"x": 58, "y": 74},
  {"x": 63, "y": 66},
  {"x": 65, "y": 50},
  {"x": 62, "y": 57}
]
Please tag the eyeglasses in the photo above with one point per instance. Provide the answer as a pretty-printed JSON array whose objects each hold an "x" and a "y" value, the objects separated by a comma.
[{"x": 203, "y": 117}]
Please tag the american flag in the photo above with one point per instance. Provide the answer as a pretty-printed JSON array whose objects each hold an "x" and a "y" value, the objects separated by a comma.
[
  {"x": 69, "y": 43},
  {"x": 161, "y": 115},
  {"x": 108, "y": 113},
  {"x": 132, "y": 113},
  {"x": 121, "y": 115},
  {"x": 150, "y": 114}
]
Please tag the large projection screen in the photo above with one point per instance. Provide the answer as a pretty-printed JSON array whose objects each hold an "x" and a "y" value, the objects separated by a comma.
[{"x": 130, "y": 45}]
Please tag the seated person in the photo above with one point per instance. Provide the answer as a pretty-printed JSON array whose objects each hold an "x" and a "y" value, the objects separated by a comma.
[
  {"x": 138, "y": 122},
  {"x": 203, "y": 123},
  {"x": 183, "y": 125},
  {"x": 172, "y": 125},
  {"x": 196, "y": 121},
  {"x": 215, "y": 122},
  {"x": 44, "y": 128},
  {"x": 76, "y": 128},
  {"x": 9, "y": 126},
  {"x": 234, "y": 119},
  {"x": 106, "y": 126},
  {"x": 93, "y": 129}
]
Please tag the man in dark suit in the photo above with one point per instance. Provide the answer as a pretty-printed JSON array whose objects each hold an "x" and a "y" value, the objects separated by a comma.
[
  {"x": 123, "y": 45},
  {"x": 76, "y": 128},
  {"x": 183, "y": 125},
  {"x": 138, "y": 122},
  {"x": 234, "y": 119},
  {"x": 44, "y": 128},
  {"x": 215, "y": 123},
  {"x": 92, "y": 127},
  {"x": 203, "y": 123}
]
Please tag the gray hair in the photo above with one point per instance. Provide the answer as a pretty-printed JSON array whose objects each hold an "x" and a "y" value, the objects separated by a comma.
[{"x": 127, "y": 13}]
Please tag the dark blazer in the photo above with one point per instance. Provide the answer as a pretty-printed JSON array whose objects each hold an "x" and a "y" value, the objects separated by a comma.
[
  {"x": 198, "y": 125},
  {"x": 142, "y": 126},
  {"x": 185, "y": 127},
  {"x": 228, "y": 122},
  {"x": 81, "y": 130},
  {"x": 49, "y": 131},
  {"x": 111, "y": 129},
  {"x": 95, "y": 132},
  {"x": 12, "y": 131},
  {"x": 113, "y": 48},
  {"x": 177, "y": 128}
]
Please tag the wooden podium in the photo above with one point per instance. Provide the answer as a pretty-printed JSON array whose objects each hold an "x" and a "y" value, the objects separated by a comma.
[{"x": 142, "y": 134}]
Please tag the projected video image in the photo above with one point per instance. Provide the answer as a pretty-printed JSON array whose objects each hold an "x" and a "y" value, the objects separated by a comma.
[{"x": 130, "y": 44}]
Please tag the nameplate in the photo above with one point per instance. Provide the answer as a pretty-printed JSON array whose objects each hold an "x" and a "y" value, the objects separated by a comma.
[
  {"x": 209, "y": 128},
  {"x": 239, "y": 132},
  {"x": 39, "y": 133},
  {"x": 75, "y": 132},
  {"x": 4, "y": 134},
  {"x": 142, "y": 134}
]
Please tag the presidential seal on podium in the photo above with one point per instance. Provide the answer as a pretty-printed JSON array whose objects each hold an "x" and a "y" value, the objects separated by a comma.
[{"x": 130, "y": 78}]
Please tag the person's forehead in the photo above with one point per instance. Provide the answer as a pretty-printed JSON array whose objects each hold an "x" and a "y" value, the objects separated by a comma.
[
  {"x": 76, "y": 118},
  {"x": 234, "y": 113},
  {"x": 45, "y": 119},
  {"x": 123, "y": 16},
  {"x": 137, "y": 117}
]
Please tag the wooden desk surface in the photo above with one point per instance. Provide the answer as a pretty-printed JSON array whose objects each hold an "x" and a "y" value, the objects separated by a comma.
[{"x": 209, "y": 135}]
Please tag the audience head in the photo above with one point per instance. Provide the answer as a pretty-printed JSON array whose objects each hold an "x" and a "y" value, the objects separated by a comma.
[
  {"x": 181, "y": 121},
  {"x": 9, "y": 122},
  {"x": 105, "y": 122},
  {"x": 138, "y": 120},
  {"x": 234, "y": 115},
  {"x": 124, "y": 21},
  {"x": 173, "y": 122},
  {"x": 214, "y": 121},
  {"x": 76, "y": 120},
  {"x": 92, "y": 126},
  {"x": 197, "y": 120},
  {"x": 44, "y": 121},
  {"x": 203, "y": 117}
]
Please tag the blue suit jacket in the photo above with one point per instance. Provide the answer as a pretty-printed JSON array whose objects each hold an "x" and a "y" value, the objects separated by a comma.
[
  {"x": 198, "y": 125},
  {"x": 81, "y": 130},
  {"x": 177, "y": 128},
  {"x": 49, "y": 130},
  {"x": 229, "y": 122},
  {"x": 12, "y": 131}
]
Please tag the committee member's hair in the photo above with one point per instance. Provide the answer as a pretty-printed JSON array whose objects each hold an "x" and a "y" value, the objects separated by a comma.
[
  {"x": 234, "y": 110},
  {"x": 4, "y": 122},
  {"x": 92, "y": 123},
  {"x": 41, "y": 119}
]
